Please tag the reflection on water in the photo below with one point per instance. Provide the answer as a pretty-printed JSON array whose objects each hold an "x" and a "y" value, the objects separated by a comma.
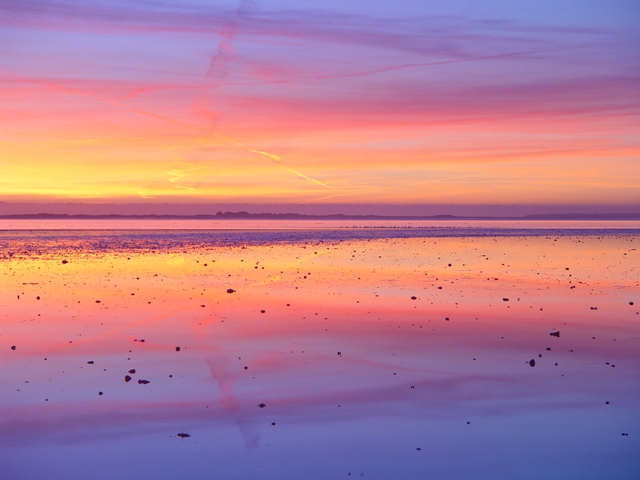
[{"x": 381, "y": 356}]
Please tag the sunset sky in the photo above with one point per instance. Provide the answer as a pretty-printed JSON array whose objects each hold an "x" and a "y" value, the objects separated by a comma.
[{"x": 320, "y": 102}]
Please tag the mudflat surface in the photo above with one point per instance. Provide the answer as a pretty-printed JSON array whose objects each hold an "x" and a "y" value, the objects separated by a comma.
[{"x": 316, "y": 354}]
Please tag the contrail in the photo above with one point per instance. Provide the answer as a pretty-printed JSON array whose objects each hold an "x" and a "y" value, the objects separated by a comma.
[
  {"x": 325, "y": 198},
  {"x": 270, "y": 155},
  {"x": 278, "y": 160},
  {"x": 443, "y": 62},
  {"x": 113, "y": 103}
]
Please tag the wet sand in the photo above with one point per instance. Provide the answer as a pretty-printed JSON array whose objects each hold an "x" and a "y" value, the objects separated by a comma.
[{"x": 370, "y": 355}]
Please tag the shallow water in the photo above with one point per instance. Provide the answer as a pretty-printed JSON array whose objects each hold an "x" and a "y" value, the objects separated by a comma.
[
  {"x": 358, "y": 377},
  {"x": 257, "y": 224}
]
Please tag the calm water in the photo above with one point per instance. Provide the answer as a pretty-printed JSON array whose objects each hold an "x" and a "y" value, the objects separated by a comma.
[
  {"x": 342, "y": 352},
  {"x": 182, "y": 224}
]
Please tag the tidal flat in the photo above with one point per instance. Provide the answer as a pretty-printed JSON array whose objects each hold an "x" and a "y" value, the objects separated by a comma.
[{"x": 316, "y": 354}]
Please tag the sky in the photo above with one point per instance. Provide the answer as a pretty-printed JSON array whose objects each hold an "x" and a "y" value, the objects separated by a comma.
[{"x": 313, "y": 103}]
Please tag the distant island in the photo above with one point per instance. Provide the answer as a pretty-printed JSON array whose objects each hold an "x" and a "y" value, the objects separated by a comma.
[{"x": 299, "y": 216}]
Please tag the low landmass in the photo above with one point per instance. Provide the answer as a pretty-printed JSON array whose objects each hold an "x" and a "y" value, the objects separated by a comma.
[{"x": 299, "y": 216}]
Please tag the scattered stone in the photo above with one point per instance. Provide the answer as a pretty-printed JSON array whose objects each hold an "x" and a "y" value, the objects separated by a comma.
[
  {"x": 418, "y": 449},
  {"x": 98, "y": 301},
  {"x": 100, "y": 393},
  {"x": 183, "y": 435},
  {"x": 13, "y": 347},
  {"x": 177, "y": 349},
  {"x": 230, "y": 290},
  {"x": 90, "y": 362},
  {"x": 262, "y": 405},
  {"x": 505, "y": 299},
  {"x": 414, "y": 298},
  {"x": 132, "y": 371},
  {"x": 273, "y": 424},
  {"x": 532, "y": 362},
  {"x": 127, "y": 378},
  {"x": 555, "y": 334},
  {"x": 262, "y": 311},
  {"x": 64, "y": 262},
  {"x": 143, "y": 382},
  {"x": 630, "y": 303}
]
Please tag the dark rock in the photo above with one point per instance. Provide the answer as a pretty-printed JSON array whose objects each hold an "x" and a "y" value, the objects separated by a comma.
[
  {"x": 64, "y": 262},
  {"x": 177, "y": 349},
  {"x": 630, "y": 303},
  {"x": 183, "y": 435},
  {"x": 132, "y": 371},
  {"x": 262, "y": 405},
  {"x": 13, "y": 347},
  {"x": 505, "y": 299},
  {"x": 414, "y": 298},
  {"x": 127, "y": 378},
  {"x": 100, "y": 393},
  {"x": 143, "y": 382},
  {"x": 262, "y": 311},
  {"x": 555, "y": 334},
  {"x": 230, "y": 290},
  {"x": 532, "y": 362},
  {"x": 90, "y": 362}
]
